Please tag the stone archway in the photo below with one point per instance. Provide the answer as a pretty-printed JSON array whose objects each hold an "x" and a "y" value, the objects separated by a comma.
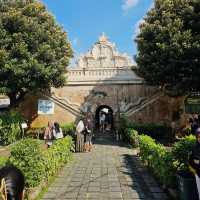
[{"x": 109, "y": 115}]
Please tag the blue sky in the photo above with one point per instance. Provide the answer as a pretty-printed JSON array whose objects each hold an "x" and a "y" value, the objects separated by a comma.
[{"x": 85, "y": 20}]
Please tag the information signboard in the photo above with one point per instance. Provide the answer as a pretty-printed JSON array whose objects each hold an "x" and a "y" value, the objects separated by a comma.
[
  {"x": 192, "y": 105},
  {"x": 45, "y": 107}
]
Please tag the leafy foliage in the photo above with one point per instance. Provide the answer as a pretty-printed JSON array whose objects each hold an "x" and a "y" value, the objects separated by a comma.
[
  {"x": 158, "y": 159},
  {"x": 3, "y": 161},
  {"x": 132, "y": 136},
  {"x": 10, "y": 130},
  {"x": 156, "y": 131},
  {"x": 68, "y": 129},
  {"x": 180, "y": 152},
  {"x": 169, "y": 45},
  {"x": 57, "y": 155},
  {"x": 28, "y": 157},
  {"x": 34, "y": 50},
  {"x": 163, "y": 162},
  {"x": 38, "y": 164}
]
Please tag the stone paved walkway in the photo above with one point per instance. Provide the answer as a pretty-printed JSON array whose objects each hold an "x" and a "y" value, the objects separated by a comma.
[{"x": 110, "y": 171}]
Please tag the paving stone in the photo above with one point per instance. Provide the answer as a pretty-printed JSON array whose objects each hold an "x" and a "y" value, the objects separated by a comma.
[{"x": 109, "y": 172}]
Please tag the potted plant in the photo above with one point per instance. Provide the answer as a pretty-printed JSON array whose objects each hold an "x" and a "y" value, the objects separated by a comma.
[{"x": 185, "y": 178}]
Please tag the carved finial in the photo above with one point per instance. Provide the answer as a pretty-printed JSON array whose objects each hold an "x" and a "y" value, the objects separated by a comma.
[{"x": 103, "y": 38}]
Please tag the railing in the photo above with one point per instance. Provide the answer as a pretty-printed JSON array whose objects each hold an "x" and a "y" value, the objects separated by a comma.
[{"x": 143, "y": 104}]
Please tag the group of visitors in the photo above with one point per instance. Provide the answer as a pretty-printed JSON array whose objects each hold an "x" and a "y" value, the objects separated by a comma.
[
  {"x": 53, "y": 131},
  {"x": 84, "y": 132}
]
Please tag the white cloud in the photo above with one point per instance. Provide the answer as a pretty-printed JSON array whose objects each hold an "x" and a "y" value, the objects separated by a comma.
[
  {"x": 129, "y": 4},
  {"x": 137, "y": 28}
]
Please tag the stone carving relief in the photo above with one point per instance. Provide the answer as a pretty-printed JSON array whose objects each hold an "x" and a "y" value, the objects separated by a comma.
[
  {"x": 86, "y": 107},
  {"x": 104, "y": 55},
  {"x": 124, "y": 107}
]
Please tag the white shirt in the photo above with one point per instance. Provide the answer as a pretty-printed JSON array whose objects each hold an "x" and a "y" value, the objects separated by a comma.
[
  {"x": 58, "y": 135},
  {"x": 80, "y": 127},
  {"x": 102, "y": 118}
]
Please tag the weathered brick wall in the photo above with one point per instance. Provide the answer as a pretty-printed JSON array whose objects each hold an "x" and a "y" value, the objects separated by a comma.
[
  {"x": 162, "y": 111},
  {"x": 29, "y": 110},
  {"x": 159, "y": 111}
]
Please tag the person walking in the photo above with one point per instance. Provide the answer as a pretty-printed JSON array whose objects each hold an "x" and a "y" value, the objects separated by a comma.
[
  {"x": 102, "y": 122},
  {"x": 80, "y": 128},
  {"x": 12, "y": 183},
  {"x": 48, "y": 134},
  {"x": 57, "y": 131}
]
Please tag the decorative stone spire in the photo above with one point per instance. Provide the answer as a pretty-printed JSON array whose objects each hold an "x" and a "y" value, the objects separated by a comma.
[{"x": 103, "y": 38}]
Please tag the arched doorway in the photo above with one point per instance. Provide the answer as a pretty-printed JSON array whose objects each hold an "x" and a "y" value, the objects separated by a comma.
[{"x": 108, "y": 112}]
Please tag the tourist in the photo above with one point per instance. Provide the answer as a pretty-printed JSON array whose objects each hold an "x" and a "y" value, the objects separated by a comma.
[
  {"x": 80, "y": 128},
  {"x": 102, "y": 122},
  {"x": 194, "y": 126},
  {"x": 48, "y": 134},
  {"x": 194, "y": 160},
  {"x": 57, "y": 131},
  {"x": 11, "y": 183},
  {"x": 88, "y": 133}
]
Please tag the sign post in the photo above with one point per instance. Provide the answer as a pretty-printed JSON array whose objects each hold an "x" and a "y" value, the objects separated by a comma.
[{"x": 45, "y": 107}]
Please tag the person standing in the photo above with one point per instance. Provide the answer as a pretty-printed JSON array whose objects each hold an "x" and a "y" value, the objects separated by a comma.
[
  {"x": 194, "y": 126},
  {"x": 194, "y": 160},
  {"x": 102, "y": 122},
  {"x": 88, "y": 133},
  {"x": 48, "y": 134},
  {"x": 80, "y": 128},
  {"x": 57, "y": 131}
]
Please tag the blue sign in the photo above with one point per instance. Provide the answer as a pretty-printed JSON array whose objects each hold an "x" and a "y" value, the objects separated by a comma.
[{"x": 45, "y": 107}]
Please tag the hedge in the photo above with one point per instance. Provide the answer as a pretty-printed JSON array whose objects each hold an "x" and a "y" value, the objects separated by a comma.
[
  {"x": 163, "y": 162},
  {"x": 39, "y": 164},
  {"x": 156, "y": 131}
]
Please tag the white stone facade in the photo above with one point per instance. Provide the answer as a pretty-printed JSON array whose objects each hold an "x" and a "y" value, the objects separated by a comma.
[{"x": 103, "y": 64}]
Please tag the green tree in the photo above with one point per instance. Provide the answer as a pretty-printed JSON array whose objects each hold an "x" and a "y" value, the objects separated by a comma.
[
  {"x": 169, "y": 45},
  {"x": 34, "y": 49}
]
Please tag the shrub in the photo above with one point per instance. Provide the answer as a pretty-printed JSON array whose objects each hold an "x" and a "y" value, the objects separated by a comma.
[
  {"x": 180, "y": 152},
  {"x": 156, "y": 131},
  {"x": 163, "y": 162},
  {"x": 68, "y": 129},
  {"x": 10, "y": 130},
  {"x": 132, "y": 136},
  {"x": 27, "y": 156},
  {"x": 158, "y": 159},
  {"x": 3, "y": 161},
  {"x": 38, "y": 165},
  {"x": 57, "y": 155},
  {"x": 37, "y": 133}
]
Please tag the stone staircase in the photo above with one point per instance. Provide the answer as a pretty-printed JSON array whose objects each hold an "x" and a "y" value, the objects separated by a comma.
[
  {"x": 65, "y": 104},
  {"x": 134, "y": 109},
  {"x": 143, "y": 104}
]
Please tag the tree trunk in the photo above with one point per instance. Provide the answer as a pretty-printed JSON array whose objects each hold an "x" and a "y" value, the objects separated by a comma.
[
  {"x": 16, "y": 97},
  {"x": 13, "y": 98}
]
